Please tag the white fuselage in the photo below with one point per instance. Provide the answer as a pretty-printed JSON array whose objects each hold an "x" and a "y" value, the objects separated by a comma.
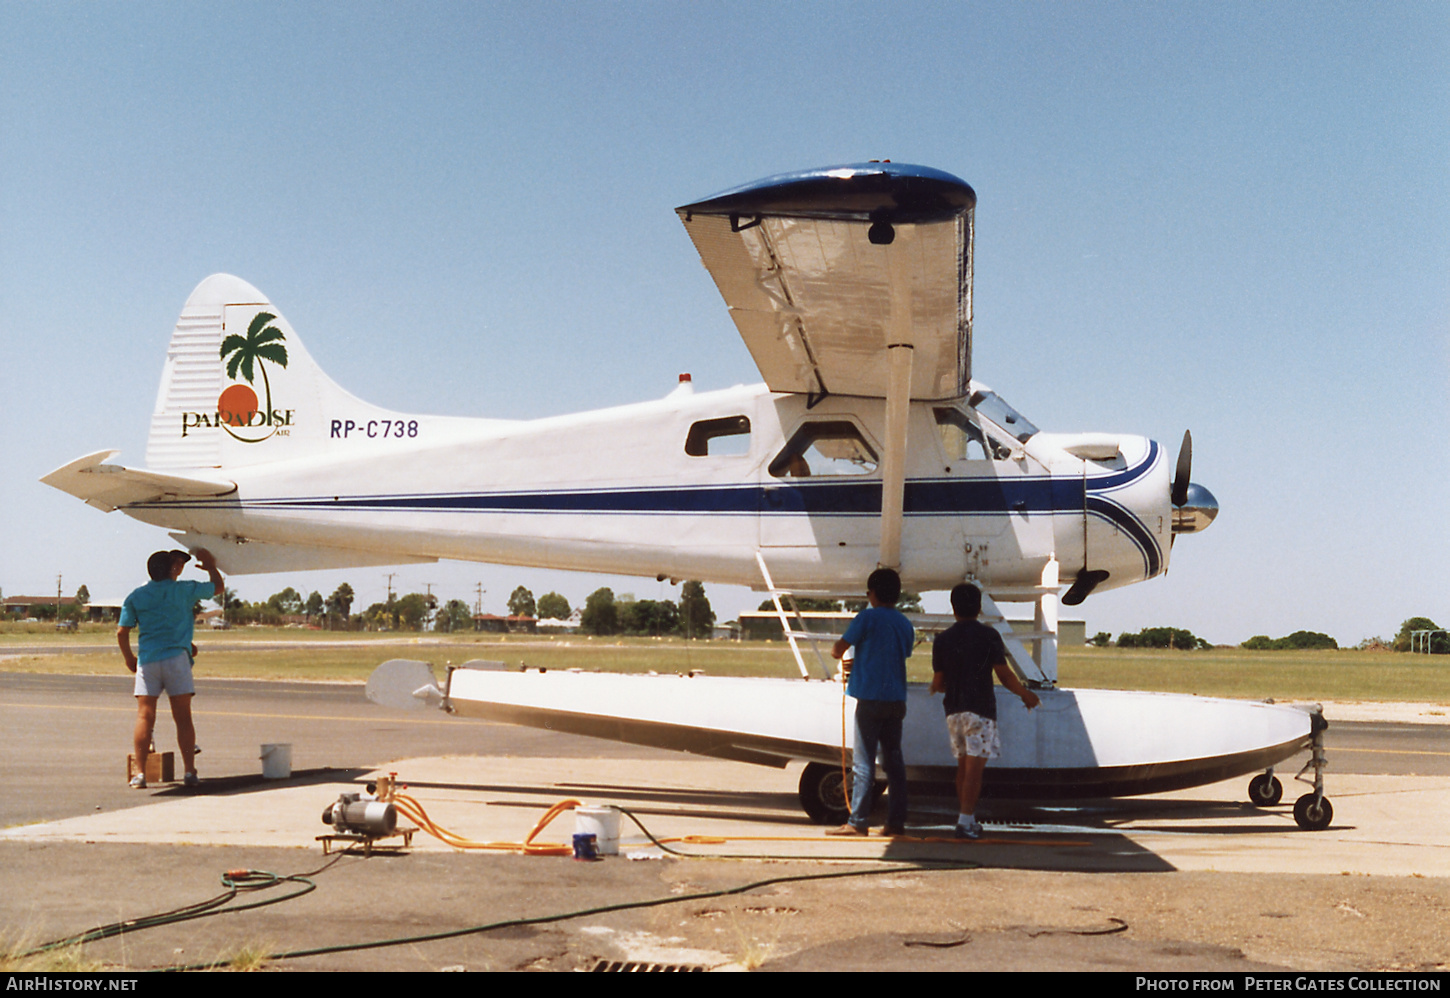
[{"x": 619, "y": 491}]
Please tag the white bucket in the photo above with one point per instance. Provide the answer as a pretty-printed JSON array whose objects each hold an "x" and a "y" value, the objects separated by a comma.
[
  {"x": 603, "y": 824},
  {"x": 277, "y": 761}
]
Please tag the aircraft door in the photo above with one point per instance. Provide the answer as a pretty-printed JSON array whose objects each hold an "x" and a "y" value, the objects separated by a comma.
[
  {"x": 823, "y": 491},
  {"x": 1001, "y": 498}
]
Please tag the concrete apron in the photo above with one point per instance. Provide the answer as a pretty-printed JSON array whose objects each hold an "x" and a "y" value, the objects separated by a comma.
[{"x": 1383, "y": 825}]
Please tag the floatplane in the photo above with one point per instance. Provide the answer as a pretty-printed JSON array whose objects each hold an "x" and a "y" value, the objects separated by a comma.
[{"x": 869, "y": 444}]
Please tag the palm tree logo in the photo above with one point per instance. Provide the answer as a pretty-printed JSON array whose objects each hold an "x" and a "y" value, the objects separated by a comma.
[{"x": 238, "y": 404}]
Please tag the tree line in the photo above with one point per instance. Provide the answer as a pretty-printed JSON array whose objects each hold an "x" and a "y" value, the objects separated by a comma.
[
  {"x": 602, "y": 613},
  {"x": 1177, "y": 637},
  {"x": 1154, "y": 637},
  {"x": 334, "y": 611},
  {"x": 690, "y": 618},
  {"x": 1185, "y": 640}
]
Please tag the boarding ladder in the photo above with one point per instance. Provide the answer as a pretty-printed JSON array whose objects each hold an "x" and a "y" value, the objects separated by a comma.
[{"x": 794, "y": 635}]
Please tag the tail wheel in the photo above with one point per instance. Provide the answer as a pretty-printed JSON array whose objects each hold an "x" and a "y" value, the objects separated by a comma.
[
  {"x": 1265, "y": 790},
  {"x": 824, "y": 795},
  {"x": 1313, "y": 814}
]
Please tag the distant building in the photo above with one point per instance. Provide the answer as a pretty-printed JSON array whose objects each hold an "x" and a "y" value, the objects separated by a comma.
[
  {"x": 764, "y": 625},
  {"x": 23, "y": 607},
  {"x": 108, "y": 609},
  {"x": 494, "y": 624}
]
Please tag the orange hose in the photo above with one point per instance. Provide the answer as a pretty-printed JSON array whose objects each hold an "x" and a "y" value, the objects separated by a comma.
[
  {"x": 413, "y": 810},
  {"x": 550, "y": 849}
]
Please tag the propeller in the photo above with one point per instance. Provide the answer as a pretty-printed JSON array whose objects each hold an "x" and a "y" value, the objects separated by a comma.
[
  {"x": 1179, "y": 495},
  {"x": 1194, "y": 507}
]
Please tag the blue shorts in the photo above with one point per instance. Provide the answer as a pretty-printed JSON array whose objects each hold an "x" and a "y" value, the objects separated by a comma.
[{"x": 171, "y": 674}]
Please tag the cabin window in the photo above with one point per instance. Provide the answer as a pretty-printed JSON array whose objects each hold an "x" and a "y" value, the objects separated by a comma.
[
  {"x": 727, "y": 437},
  {"x": 825, "y": 448},
  {"x": 962, "y": 439}
]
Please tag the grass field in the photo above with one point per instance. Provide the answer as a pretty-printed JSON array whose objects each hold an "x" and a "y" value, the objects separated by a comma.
[{"x": 284, "y": 653}]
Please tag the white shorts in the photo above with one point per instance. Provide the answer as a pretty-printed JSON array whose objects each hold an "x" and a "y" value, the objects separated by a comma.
[
  {"x": 170, "y": 674},
  {"x": 974, "y": 735}
]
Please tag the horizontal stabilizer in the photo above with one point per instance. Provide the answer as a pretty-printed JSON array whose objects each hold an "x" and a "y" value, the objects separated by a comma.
[
  {"x": 111, "y": 486},
  {"x": 244, "y": 557}
]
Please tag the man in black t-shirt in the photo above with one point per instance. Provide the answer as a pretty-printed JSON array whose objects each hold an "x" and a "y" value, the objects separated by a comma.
[{"x": 963, "y": 658}]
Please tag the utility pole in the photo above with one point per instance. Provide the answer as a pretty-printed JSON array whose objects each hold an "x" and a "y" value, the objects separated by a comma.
[
  {"x": 478, "y": 592},
  {"x": 392, "y": 615},
  {"x": 57, "y": 599}
]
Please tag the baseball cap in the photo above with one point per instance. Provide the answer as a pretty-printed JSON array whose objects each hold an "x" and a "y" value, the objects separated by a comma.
[{"x": 158, "y": 566}]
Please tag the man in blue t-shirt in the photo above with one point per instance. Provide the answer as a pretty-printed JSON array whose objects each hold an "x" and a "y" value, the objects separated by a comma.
[
  {"x": 163, "y": 610},
  {"x": 882, "y": 637}
]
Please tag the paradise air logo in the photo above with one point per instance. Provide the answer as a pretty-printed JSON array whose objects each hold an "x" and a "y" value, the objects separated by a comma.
[{"x": 237, "y": 410}]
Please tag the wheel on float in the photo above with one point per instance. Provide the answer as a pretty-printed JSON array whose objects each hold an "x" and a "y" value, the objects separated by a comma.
[
  {"x": 1313, "y": 815},
  {"x": 823, "y": 795},
  {"x": 1265, "y": 790}
]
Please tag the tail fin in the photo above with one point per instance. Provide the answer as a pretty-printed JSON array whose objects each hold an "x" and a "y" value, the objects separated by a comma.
[{"x": 239, "y": 388}]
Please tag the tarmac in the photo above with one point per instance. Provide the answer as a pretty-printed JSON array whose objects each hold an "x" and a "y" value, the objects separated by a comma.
[{"x": 1196, "y": 880}]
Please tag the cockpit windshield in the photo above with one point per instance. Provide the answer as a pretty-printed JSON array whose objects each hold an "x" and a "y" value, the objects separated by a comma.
[{"x": 991, "y": 405}]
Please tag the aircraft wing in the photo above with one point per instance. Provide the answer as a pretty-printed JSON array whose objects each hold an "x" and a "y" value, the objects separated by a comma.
[
  {"x": 822, "y": 270},
  {"x": 110, "y": 486}
]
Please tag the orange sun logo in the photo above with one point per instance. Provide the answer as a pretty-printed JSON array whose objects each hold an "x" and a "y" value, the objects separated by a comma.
[{"x": 237, "y": 405}]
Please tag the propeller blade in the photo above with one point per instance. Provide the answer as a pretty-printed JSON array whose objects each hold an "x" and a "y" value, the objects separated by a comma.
[{"x": 1179, "y": 496}]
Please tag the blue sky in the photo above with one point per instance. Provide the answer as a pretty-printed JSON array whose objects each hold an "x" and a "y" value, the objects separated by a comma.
[{"x": 1233, "y": 218}]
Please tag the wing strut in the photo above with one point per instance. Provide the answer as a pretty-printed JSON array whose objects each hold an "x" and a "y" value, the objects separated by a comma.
[
  {"x": 1037, "y": 667},
  {"x": 901, "y": 351}
]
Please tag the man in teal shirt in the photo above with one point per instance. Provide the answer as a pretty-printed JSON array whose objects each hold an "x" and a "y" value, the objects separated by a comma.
[
  {"x": 163, "y": 610},
  {"x": 883, "y": 638}
]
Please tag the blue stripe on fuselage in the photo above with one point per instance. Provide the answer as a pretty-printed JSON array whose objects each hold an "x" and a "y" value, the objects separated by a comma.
[
  {"x": 1097, "y": 503},
  {"x": 923, "y": 498}
]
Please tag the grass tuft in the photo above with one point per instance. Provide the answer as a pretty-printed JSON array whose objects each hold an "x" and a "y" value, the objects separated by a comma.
[
  {"x": 16, "y": 958},
  {"x": 247, "y": 958}
]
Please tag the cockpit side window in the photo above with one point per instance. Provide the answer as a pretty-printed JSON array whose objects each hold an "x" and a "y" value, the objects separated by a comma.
[
  {"x": 825, "y": 448},
  {"x": 726, "y": 437},
  {"x": 963, "y": 440}
]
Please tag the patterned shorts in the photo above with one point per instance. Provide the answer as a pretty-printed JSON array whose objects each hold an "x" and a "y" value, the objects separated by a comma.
[{"x": 973, "y": 734}]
